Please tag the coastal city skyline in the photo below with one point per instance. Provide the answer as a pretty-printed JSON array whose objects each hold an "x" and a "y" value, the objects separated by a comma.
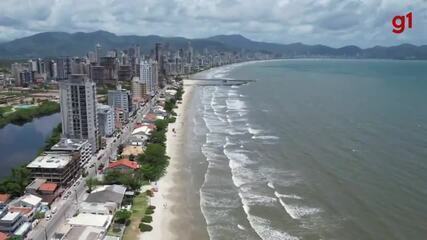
[{"x": 114, "y": 105}]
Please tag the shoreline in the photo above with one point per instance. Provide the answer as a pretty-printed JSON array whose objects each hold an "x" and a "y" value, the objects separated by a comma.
[{"x": 178, "y": 213}]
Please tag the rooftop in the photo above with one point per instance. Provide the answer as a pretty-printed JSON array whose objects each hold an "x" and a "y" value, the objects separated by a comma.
[
  {"x": 22, "y": 210},
  {"x": 30, "y": 199},
  {"x": 143, "y": 130},
  {"x": 35, "y": 184},
  {"x": 92, "y": 220},
  {"x": 51, "y": 160},
  {"x": 3, "y": 236},
  {"x": 24, "y": 228},
  {"x": 10, "y": 216},
  {"x": 125, "y": 163},
  {"x": 4, "y": 198},
  {"x": 48, "y": 187},
  {"x": 69, "y": 144},
  {"x": 84, "y": 233},
  {"x": 107, "y": 193}
]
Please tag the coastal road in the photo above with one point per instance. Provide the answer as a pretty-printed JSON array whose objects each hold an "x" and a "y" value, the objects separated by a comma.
[{"x": 66, "y": 208}]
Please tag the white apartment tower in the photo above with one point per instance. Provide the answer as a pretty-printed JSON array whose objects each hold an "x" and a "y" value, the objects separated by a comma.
[
  {"x": 149, "y": 76},
  {"x": 78, "y": 109}
]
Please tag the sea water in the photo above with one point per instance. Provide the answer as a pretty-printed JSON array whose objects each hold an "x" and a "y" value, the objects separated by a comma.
[{"x": 314, "y": 149}]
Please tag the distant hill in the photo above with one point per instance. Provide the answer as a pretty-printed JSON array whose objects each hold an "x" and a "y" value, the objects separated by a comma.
[{"x": 53, "y": 44}]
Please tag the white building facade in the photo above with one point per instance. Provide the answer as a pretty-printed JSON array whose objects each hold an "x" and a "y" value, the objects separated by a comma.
[
  {"x": 149, "y": 76},
  {"x": 106, "y": 120},
  {"x": 78, "y": 109}
]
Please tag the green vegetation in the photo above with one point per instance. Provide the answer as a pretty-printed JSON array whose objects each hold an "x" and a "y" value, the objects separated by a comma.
[
  {"x": 147, "y": 219},
  {"x": 39, "y": 215},
  {"x": 153, "y": 161},
  {"x": 15, "y": 238},
  {"x": 149, "y": 211},
  {"x": 145, "y": 227},
  {"x": 179, "y": 93},
  {"x": 21, "y": 116},
  {"x": 4, "y": 110},
  {"x": 122, "y": 216},
  {"x": 138, "y": 211},
  {"x": 170, "y": 105},
  {"x": 91, "y": 183},
  {"x": 132, "y": 181},
  {"x": 15, "y": 183}
]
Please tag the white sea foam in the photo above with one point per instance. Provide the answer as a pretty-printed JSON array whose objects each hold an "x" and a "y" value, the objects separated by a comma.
[
  {"x": 240, "y": 227},
  {"x": 262, "y": 226},
  {"x": 291, "y": 196},
  {"x": 254, "y": 131},
  {"x": 266, "y": 137},
  {"x": 235, "y": 104},
  {"x": 296, "y": 211}
]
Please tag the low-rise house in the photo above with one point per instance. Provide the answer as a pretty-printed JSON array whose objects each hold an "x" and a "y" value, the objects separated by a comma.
[
  {"x": 10, "y": 221},
  {"x": 23, "y": 230},
  {"x": 107, "y": 193},
  {"x": 84, "y": 233},
  {"x": 91, "y": 220},
  {"x": 150, "y": 118},
  {"x": 48, "y": 191},
  {"x": 123, "y": 166},
  {"x": 108, "y": 208},
  {"x": 28, "y": 201}
]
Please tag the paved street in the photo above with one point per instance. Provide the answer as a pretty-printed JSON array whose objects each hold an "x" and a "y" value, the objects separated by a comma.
[{"x": 66, "y": 208}]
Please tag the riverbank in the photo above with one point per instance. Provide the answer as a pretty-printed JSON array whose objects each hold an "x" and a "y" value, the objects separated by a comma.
[
  {"x": 21, "y": 116},
  {"x": 177, "y": 214}
]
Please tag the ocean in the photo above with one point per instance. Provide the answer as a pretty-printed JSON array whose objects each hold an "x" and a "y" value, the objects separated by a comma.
[{"x": 314, "y": 149}]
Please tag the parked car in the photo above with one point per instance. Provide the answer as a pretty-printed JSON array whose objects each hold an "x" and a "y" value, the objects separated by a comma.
[{"x": 48, "y": 217}]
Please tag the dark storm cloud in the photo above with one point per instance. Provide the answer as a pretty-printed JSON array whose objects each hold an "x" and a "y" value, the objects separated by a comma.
[{"x": 331, "y": 22}]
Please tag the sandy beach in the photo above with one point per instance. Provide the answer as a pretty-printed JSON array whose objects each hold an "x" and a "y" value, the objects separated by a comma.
[{"x": 177, "y": 214}]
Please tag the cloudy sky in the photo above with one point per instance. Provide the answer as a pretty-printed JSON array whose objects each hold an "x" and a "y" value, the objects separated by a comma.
[{"x": 332, "y": 22}]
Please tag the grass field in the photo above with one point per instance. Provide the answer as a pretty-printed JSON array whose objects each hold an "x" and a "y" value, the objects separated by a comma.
[{"x": 139, "y": 206}]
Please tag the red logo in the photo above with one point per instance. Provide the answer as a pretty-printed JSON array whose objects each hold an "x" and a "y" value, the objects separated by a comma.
[{"x": 399, "y": 23}]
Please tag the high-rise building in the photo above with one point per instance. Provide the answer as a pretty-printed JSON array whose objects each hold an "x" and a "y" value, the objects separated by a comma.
[
  {"x": 98, "y": 53},
  {"x": 120, "y": 100},
  {"x": 81, "y": 147},
  {"x": 139, "y": 91},
  {"x": 63, "y": 68},
  {"x": 105, "y": 120},
  {"x": 149, "y": 76},
  {"x": 78, "y": 109}
]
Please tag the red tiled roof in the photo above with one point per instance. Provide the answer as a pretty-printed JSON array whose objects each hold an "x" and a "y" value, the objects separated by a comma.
[
  {"x": 150, "y": 117},
  {"x": 4, "y": 197},
  {"x": 48, "y": 187},
  {"x": 22, "y": 210},
  {"x": 124, "y": 162},
  {"x": 3, "y": 236}
]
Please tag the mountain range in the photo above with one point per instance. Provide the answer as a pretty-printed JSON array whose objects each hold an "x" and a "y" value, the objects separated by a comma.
[{"x": 55, "y": 44}]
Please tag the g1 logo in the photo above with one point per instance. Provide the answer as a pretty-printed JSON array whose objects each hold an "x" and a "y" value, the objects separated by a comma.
[{"x": 399, "y": 22}]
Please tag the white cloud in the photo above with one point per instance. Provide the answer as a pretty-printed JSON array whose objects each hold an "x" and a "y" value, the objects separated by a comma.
[{"x": 330, "y": 22}]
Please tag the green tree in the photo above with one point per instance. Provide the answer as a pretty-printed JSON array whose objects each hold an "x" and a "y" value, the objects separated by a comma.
[
  {"x": 158, "y": 137},
  {"x": 161, "y": 124},
  {"x": 91, "y": 182},
  {"x": 122, "y": 216}
]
